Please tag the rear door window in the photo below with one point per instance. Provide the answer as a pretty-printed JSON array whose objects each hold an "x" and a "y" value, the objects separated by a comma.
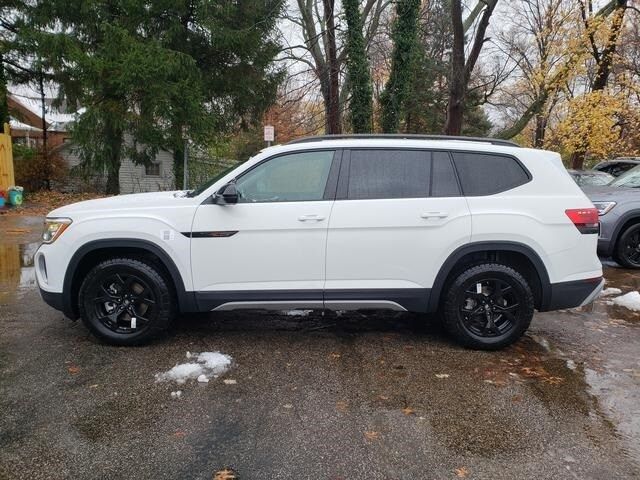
[
  {"x": 389, "y": 174},
  {"x": 487, "y": 174}
]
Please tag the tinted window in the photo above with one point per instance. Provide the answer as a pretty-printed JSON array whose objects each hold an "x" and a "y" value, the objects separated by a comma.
[
  {"x": 389, "y": 174},
  {"x": 289, "y": 178},
  {"x": 443, "y": 176},
  {"x": 486, "y": 174}
]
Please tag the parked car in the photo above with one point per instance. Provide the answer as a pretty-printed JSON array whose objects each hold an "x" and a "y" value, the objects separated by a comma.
[
  {"x": 617, "y": 166},
  {"x": 590, "y": 177},
  {"x": 630, "y": 179},
  {"x": 619, "y": 212},
  {"x": 480, "y": 230}
]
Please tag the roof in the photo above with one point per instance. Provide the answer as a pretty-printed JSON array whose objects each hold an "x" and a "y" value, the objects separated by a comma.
[{"x": 30, "y": 101}]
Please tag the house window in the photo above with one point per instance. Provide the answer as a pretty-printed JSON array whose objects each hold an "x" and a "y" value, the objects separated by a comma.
[{"x": 152, "y": 169}]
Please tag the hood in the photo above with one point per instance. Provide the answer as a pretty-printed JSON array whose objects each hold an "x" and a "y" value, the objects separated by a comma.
[{"x": 121, "y": 202}]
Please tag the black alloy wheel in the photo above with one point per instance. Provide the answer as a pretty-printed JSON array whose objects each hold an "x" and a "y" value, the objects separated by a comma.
[
  {"x": 627, "y": 251},
  {"x": 488, "y": 306},
  {"x": 125, "y": 301}
]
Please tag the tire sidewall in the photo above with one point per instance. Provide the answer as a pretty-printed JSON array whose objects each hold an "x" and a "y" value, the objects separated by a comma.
[
  {"x": 148, "y": 273},
  {"x": 620, "y": 256},
  {"x": 455, "y": 292}
]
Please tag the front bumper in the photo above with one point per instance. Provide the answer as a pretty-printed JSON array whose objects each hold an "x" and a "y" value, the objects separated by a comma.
[
  {"x": 574, "y": 294},
  {"x": 52, "y": 299}
]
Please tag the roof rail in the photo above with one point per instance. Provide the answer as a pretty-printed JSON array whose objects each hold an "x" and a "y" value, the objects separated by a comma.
[{"x": 407, "y": 136}]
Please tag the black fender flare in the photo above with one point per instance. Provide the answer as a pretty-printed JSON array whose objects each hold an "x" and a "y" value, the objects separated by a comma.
[
  {"x": 449, "y": 264},
  {"x": 186, "y": 300}
]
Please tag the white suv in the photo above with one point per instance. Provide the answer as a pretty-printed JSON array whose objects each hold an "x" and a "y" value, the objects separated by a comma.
[{"x": 480, "y": 230}]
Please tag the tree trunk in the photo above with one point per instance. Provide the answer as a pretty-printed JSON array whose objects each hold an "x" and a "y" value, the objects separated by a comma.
[
  {"x": 457, "y": 88},
  {"x": 45, "y": 146},
  {"x": 333, "y": 69},
  {"x": 113, "y": 141},
  {"x": 577, "y": 160},
  {"x": 541, "y": 127},
  {"x": 4, "y": 107}
]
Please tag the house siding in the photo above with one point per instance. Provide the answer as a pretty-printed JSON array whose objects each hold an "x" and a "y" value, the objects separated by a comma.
[
  {"x": 132, "y": 177},
  {"x": 134, "y": 180}
]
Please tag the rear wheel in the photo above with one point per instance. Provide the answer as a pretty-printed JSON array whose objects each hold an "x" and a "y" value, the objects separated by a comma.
[
  {"x": 488, "y": 306},
  {"x": 125, "y": 301},
  {"x": 627, "y": 251}
]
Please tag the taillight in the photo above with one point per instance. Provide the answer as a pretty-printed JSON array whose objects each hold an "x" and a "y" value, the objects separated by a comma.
[{"x": 585, "y": 219}]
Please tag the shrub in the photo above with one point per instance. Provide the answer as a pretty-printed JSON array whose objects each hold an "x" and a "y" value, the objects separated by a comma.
[{"x": 34, "y": 171}]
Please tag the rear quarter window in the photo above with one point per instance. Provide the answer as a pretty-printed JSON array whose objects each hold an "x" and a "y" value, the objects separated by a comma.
[{"x": 488, "y": 174}]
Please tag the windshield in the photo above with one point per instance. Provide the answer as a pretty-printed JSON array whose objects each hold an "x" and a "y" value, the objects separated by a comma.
[
  {"x": 630, "y": 179},
  {"x": 211, "y": 181}
]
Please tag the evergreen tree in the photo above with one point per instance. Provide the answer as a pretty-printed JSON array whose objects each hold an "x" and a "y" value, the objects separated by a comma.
[
  {"x": 361, "y": 103},
  {"x": 405, "y": 42},
  {"x": 146, "y": 72}
]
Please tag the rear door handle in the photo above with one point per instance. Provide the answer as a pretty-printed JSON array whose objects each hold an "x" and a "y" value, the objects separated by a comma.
[
  {"x": 434, "y": 215},
  {"x": 310, "y": 218}
]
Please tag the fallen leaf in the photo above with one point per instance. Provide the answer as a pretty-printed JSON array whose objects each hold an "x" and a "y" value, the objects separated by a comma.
[
  {"x": 442, "y": 375},
  {"x": 73, "y": 369},
  {"x": 383, "y": 397},
  {"x": 179, "y": 434},
  {"x": 334, "y": 355},
  {"x": 372, "y": 435},
  {"x": 342, "y": 406},
  {"x": 287, "y": 406},
  {"x": 408, "y": 411},
  {"x": 225, "y": 474},
  {"x": 462, "y": 472}
]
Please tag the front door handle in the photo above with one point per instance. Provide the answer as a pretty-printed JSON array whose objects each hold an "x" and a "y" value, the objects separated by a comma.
[
  {"x": 310, "y": 218},
  {"x": 434, "y": 215}
]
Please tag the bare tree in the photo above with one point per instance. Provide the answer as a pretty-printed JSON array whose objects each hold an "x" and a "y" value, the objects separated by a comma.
[
  {"x": 461, "y": 67},
  {"x": 321, "y": 49}
]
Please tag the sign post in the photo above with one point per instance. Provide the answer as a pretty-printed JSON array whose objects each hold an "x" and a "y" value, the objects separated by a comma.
[{"x": 269, "y": 134}]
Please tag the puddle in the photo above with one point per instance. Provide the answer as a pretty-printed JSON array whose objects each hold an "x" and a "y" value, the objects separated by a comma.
[{"x": 17, "y": 273}]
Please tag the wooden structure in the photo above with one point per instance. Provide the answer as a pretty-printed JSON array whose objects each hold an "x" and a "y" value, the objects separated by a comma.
[{"x": 7, "y": 178}]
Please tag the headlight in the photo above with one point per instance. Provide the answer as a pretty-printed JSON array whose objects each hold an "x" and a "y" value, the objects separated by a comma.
[
  {"x": 604, "y": 207},
  {"x": 53, "y": 228}
]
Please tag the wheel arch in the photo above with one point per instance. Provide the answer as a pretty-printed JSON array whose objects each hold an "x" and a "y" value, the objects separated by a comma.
[
  {"x": 92, "y": 252},
  {"x": 624, "y": 222},
  {"x": 513, "y": 251}
]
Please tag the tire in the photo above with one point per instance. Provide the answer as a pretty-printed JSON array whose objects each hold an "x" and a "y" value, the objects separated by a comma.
[
  {"x": 627, "y": 251},
  {"x": 123, "y": 301},
  {"x": 492, "y": 316}
]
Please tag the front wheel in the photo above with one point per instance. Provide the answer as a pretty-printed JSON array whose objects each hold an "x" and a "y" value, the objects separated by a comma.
[
  {"x": 488, "y": 306},
  {"x": 125, "y": 301},
  {"x": 627, "y": 251}
]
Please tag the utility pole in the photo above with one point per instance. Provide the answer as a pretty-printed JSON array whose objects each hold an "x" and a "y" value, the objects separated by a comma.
[{"x": 185, "y": 166}]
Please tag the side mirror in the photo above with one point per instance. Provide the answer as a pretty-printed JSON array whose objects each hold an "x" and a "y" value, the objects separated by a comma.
[{"x": 227, "y": 195}]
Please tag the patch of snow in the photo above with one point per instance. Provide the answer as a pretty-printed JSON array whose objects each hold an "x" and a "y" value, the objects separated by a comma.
[
  {"x": 176, "y": 394},
  {"x": 207, "y": 364},
  {"x": 181, "y": 373},
  {"x": 229, "y": 381},
  {"x": 216, "y": 362},
  {"x": 629, "y": 300},
  {"x": 610, "y": 291},
  {"x": 297, "y": 313},
  {"x": 203, "y": 379}
]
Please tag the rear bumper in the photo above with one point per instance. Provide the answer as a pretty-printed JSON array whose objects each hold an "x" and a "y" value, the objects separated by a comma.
[{"x": 574, "y": 294}]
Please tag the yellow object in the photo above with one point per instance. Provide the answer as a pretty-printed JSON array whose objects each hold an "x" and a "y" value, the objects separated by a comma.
[{"x": 7, "y": 178}]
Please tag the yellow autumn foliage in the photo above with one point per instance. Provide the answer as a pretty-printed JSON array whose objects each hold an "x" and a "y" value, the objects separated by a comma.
[{"x": 599, "y": 123}]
